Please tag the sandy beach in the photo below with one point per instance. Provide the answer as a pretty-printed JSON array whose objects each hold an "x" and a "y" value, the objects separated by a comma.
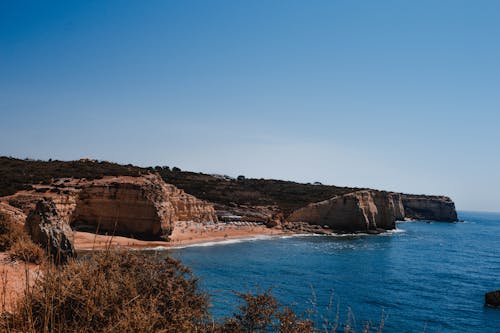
[{"x": 185, "y": 233}]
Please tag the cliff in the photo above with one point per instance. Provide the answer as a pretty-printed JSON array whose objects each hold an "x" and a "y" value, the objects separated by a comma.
[
  {"x": 145, "y": 207},
  {"x": 142, "y": 207},
  {"x": 365, "y": 210},
  {"x": 425, "y": 207},
  {"x": 371, "y": 210},
  {"x": 128, "y": 200}
]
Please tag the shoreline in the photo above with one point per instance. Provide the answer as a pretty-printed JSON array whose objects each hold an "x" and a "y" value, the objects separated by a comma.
[
  {"x": 184, "y": 234},
  {"x": 189, "y": 234}
]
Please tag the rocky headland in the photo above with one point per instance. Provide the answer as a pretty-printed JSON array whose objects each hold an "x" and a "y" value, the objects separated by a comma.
[
  {"x": 65, "y": 207},
  {"x": 150, "y": 204}
]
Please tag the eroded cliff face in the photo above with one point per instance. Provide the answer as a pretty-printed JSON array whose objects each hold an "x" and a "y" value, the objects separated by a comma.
[
  {"x": 142, "y": 207},
  {"x": 425, "y": 207},
  {"x": 358, "y": 211},
  {"x": 374, "y": 210},
  {"x": 398, "y": 207}
]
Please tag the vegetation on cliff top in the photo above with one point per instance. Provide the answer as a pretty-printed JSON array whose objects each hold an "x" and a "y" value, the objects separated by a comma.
[
  {"x": 16, "y": 174},
  {"x": 287, "y": 195}
]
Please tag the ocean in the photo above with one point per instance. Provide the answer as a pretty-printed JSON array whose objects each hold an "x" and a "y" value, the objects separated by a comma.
[{"x": 422, "y": 277}]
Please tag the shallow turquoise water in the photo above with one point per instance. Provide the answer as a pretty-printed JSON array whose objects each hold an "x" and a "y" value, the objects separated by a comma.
[{"x": 429, "y": 276}]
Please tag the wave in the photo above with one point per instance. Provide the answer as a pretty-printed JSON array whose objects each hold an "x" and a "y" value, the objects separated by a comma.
[
  {"x": 214, "y": 243},
  {"x": 269, "y": 237},
  {"x": 341, "y": 235}
]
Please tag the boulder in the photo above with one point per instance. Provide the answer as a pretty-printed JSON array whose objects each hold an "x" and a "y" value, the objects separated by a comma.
[
  {"x": 48, "y": 230},
  {"x": 492, "y": 298}
]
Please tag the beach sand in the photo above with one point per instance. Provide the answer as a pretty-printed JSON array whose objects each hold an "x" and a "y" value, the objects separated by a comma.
[
  {"x": 185, "y": 233},
  {"x": 13, "y": 277}
]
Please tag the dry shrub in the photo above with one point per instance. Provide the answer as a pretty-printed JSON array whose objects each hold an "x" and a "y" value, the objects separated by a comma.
[
  {"x": 10, "y": 232},
  {"x": 112, "y": 292},
  {"x": 25, "y": 250},
  {"x": 262, "y": 313},
  {"x": 132, "y": 292}
]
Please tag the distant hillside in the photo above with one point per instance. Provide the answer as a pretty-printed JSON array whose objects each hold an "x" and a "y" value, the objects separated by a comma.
[
  {"x": 287, "y": 195},
  {"x": 17, "y": 174}
]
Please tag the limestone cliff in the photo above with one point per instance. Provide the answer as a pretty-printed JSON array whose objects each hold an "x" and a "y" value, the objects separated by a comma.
[
  {"x": 142, "y": 207},
  {"x": 368, "y": 210},
  {"x": 145, "y": 207},
  {"x": 398, "y": 207},
  {"x": 357, "y": 211},
  {"x": 425, "y": 207}
]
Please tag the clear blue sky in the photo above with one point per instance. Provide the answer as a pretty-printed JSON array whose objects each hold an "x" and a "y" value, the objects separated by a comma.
[{"x": 397, "y": 95}]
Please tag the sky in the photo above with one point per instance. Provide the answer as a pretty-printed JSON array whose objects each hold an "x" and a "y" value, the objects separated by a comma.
[{"x": 394, "y": 95}]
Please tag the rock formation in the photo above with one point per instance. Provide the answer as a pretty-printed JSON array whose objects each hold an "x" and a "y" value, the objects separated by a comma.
[
  {"x": 492, "y": 298},
  {"x": 397, "y": 206},
  {"x": 424, "y": 207},
  {"x": 142, "y": 207},
  {"x": 369, "y": 210},
  {"x": 46, "y": 228},
  {"x": 365, "y": 210}
]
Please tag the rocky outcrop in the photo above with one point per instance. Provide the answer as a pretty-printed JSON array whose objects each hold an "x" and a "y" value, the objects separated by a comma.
[
  {"x": 365, "y": 210},
  {"x": 144, "y": 207},
  {"x": 369, "y": 210},
  {"x": 397, "y": 204},
  {"x": 424, "y": 207},
  {"x": 492, "y": 298},
  {"x": 48, "y": 230}
]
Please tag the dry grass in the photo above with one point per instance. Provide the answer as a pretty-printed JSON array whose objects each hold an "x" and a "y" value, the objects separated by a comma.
[
  {"x": 111, "y": 292},
  {"x": 25, "y": 250},
  {"x": 16, "y": 241},
  {"x": 10, "y": 232},
  {"x": 125, "y": 291},
  {"x": 262, "y": 313}
]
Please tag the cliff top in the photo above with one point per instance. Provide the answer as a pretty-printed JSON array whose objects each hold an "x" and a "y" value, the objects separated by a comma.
[{"x": 17, "y": 174}]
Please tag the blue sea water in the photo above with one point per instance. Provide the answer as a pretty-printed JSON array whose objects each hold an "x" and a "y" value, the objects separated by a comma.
[{"x": 425, "y": 277}]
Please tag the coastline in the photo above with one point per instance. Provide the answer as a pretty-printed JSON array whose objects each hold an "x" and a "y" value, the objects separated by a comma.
[
  {"x": 187, "y": 234},
  {"x": 184, "y": 234}
]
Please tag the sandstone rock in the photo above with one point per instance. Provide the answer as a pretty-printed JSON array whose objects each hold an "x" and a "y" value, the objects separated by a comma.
[
  {"x": 492, "y": 298},
  {"x": 143, "y": 207},
  {"x": 358, "y": 211},
  {"x": 47, "y": 229},
  {"x": 398, "y": 207},
  {"x": 424, "y": 207}
]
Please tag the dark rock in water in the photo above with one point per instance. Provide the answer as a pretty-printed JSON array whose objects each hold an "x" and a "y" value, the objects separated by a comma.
[
  {"x": 48, "y": 229},
  {"x": 492, "y": 298}
]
